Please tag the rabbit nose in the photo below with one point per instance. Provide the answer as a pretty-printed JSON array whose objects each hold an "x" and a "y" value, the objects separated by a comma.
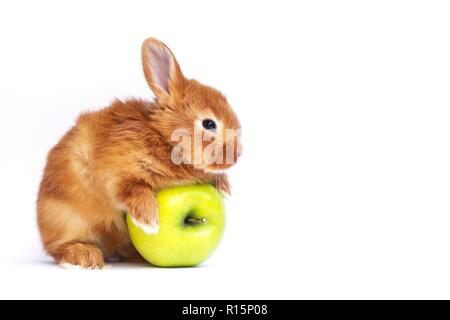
[{"x": 238, "y": 149}]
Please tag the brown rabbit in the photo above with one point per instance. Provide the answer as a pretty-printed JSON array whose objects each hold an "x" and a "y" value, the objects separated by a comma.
[{"x": 116, "y": 159}]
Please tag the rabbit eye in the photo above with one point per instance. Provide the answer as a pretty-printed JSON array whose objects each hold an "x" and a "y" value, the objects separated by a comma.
[{"x": 209, "y": 124}]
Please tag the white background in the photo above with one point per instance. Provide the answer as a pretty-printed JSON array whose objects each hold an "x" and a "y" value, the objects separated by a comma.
[{"x": 343, "y": 189}]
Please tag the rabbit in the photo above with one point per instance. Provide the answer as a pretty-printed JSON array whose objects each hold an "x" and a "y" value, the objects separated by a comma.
[{"x": 115, "y": 160}]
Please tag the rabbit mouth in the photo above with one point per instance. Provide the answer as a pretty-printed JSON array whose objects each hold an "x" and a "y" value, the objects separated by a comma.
[{"x": 217, "y": 168}]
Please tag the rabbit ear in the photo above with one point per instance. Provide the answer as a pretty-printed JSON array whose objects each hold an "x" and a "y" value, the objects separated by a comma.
[{"x": 161, "y": 69}]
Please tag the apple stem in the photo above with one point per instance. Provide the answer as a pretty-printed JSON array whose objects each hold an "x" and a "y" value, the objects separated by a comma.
[{"x": 202, "y": 220}]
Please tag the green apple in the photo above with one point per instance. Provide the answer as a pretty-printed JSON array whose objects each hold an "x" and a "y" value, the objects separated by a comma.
[{"x": 191, "y": 224}]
